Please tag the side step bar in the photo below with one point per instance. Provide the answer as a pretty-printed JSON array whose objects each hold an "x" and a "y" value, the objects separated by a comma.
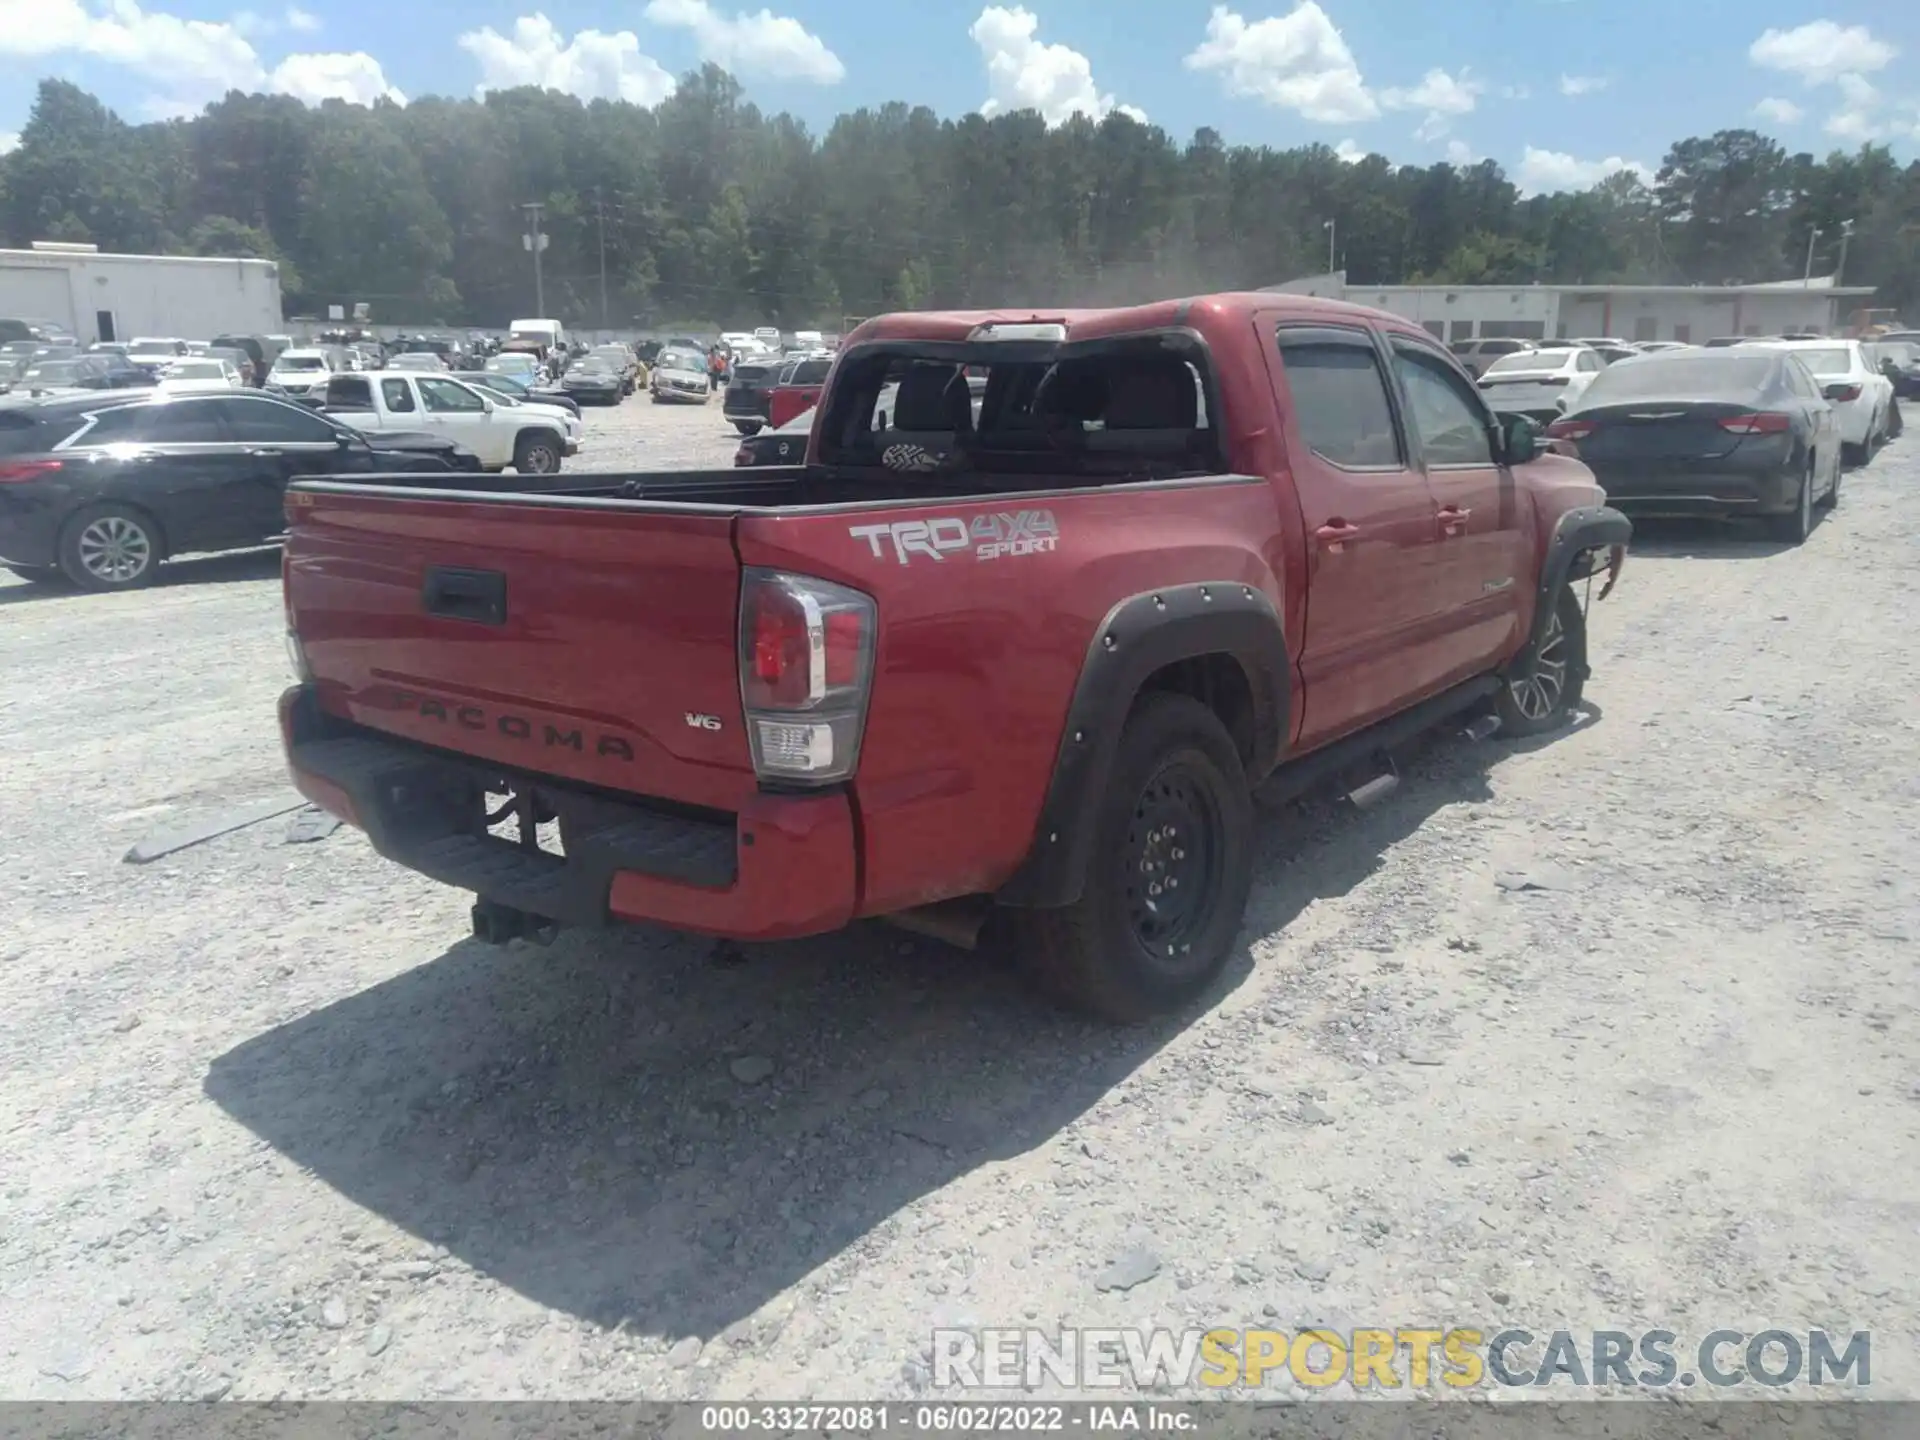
[{"x": 1293, "y": 779}]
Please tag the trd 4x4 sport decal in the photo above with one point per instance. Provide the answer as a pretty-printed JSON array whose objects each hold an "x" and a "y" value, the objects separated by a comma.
[{"x": 989, "y": 537}]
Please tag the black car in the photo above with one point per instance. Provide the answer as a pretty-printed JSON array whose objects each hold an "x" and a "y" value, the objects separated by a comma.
[
  {"x": 785, "y": 446},
  {"x": 595, "y": 379},
  {"x": 1734, "y": 431},
  {"x": 98, "y": 491},
  {"x": 746, "y": 399}
]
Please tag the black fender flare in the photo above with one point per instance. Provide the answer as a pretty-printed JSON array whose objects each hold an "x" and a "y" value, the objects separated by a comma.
[
  {"x": 1140, "y": 635},
  {"x": 1578, "y": 532}
]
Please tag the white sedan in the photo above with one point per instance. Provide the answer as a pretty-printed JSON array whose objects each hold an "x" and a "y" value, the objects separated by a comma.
[
  {"x": 198, "y": 377},
  {"x": 1541, "y": 383},
  {"x": 1862, "y": 397}
]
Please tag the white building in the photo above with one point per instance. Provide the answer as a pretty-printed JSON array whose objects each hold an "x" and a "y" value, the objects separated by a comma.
[
  {"x": 1688, "y": 313},
  {"x": 116, "y": 297}
]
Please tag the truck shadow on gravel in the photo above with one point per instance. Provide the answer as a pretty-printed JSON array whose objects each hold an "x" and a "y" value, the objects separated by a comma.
[{"x": 645, "y": 1129}]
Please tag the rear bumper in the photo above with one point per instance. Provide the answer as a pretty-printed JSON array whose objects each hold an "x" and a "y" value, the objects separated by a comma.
[
  {"x": 782, "y": 867},
  {"x": 29, "y": 526},
  {"x": 1654, "y": 491},
  {"x": 745, "y": 404}
]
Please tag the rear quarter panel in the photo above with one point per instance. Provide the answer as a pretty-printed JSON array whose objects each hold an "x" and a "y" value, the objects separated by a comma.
[{"x": 979, "y": 653}]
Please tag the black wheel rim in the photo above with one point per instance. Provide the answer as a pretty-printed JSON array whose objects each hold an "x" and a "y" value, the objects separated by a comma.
[{"x": 1172, "y": 862}]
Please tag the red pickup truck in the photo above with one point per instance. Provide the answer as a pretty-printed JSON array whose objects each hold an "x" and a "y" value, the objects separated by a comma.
[{"x": 1013, "y": 653}]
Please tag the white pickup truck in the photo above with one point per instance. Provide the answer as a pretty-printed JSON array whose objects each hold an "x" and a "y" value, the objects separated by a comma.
[{"x": 531, "y": 438}]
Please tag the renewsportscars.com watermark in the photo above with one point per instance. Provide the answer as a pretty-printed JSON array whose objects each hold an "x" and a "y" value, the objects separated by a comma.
[{"x": 1399, "y": 1358}]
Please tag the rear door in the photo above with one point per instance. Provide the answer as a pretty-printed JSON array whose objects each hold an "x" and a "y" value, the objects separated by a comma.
[
  {"x": 1370, "y": 525},
  {"x": 1484, "y": 555}
]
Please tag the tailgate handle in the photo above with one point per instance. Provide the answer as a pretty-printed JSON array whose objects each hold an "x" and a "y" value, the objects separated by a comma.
[{"x": 476, "y": 595}]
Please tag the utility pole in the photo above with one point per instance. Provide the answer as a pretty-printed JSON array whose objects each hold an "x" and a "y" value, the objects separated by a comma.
[
  {"x": 1846, "y": 234},
  {"x": 536, "y": 241},
  {"x": 1807, "y": 278},
  {"x": 1332, "y": 231},
  {"x": 600, "y": 214}
]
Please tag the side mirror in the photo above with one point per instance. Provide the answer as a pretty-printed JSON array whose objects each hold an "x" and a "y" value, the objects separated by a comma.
[
  {"x": 486, "y": 405},
  {"x": 1521, "y": 440},
  {"x": 343, "y": 440}
]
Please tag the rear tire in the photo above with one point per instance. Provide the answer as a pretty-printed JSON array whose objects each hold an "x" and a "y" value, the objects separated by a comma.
[
  {"x": 1543, "y": 697},
  {"x": 1832, "y": 497},
  {"x": 1176, "y": 809},
  {"x": 1793, "y": 527},
  {"x": 110, "y": 547}
]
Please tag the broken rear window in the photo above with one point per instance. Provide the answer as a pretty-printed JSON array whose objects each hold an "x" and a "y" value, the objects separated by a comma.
[{"x": 1133, "y": 407}]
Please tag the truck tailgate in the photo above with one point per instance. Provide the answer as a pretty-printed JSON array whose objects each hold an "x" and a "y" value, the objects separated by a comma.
[{"x": 596, "y": 643}]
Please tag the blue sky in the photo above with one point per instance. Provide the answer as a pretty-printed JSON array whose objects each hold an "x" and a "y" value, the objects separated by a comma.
[{"x": 1559, "y": 91}]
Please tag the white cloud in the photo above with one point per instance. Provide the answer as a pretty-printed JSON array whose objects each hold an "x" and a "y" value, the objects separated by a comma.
[
  {"x": 1858, "y": 118},
  {"x": 593, "y": 65},
  {"x": 1298, "y": 61},
  {"x": 1516, "y": 92},
  {"x": 1351, "y": 151},
  {"x": 355, "y": 78},
  {"x": 1821, "y": 51},
  {"x": 1575, "y": 85},
  {"x": 9, "y": 141},
  {"x": 776, "y": 46},
  {"x": 1546, "y": 171},
  {"x": 192, "y": 61},
  {"x": 1461, "y": 153},
  {"x": 1024, "y": 73},
  {"x": 252, "y": 23},
  {"x": 1441, "y": 95},
  {"x": 1780, "y": 112}
]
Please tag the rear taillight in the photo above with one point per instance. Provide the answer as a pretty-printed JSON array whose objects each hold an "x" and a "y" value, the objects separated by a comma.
[
  {"x": 743, "y": 456},
  {"x": 1570, "y": 429},
  {"x": 806, "y": 665},
  {"x": 17, "y": 470},
  {"x": 1844, "y": 392},
  {"x": 1767, "y": 422}
]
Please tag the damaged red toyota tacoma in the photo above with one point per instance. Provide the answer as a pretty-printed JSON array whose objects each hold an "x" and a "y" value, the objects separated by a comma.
[{"x": 1051, "y": 597}]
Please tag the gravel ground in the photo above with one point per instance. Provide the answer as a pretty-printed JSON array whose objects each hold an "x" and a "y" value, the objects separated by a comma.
[{"x": 272, "y": 1127}]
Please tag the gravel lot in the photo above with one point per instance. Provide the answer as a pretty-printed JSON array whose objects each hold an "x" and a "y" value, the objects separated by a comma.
[{"x": 272, "y": 1127}]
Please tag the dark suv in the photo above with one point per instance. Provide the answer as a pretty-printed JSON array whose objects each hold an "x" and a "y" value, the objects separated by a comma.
[{"x": 97, "y": 491}]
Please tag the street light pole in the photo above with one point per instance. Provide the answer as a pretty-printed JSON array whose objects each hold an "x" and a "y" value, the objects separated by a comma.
[
  {"x": 536, "y": 242},
  {"x": 1846, "y": 234},
  {"x": 1332, "y": 231},
  {"x": 1807, "y": 277}
]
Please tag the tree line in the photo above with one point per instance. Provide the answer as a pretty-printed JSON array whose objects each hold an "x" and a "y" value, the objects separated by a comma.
[{"x": 703, "y": 209}]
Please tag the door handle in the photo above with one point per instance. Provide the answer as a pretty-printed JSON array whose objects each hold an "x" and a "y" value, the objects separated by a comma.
[
  {"x": 1336, "y": 533},
  {"x": 267, "y": 452},
  {"x": 1453, "y": 520}
]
